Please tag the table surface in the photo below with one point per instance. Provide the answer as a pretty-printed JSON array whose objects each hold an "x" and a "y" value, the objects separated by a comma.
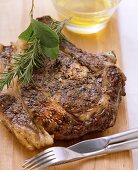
[
  {"x": 128, "y": 19},
  {"x": 128, "y": 22}
]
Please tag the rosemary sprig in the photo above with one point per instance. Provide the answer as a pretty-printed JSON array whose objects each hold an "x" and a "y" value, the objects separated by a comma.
[
  {"x": 23, "y": 65},
  {"x": 43, "y": 41}
]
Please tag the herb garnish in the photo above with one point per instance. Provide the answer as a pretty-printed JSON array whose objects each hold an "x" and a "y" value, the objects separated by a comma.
[{"x": 43, "y": 42}]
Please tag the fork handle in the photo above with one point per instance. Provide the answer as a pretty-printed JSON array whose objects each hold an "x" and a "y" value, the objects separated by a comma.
[
  {"x": 122, "y": 146},
  {"x": 123, "y": 136}
]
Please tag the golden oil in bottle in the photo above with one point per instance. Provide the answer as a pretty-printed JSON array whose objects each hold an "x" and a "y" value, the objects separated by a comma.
[{"x": 87, "y": 16}]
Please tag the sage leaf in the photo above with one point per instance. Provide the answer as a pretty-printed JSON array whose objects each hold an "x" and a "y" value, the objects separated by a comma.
[
  {"x": 51, "y": 52},
  {"x": 45, "y": 34},
  {"x": 28, "y": 34}
]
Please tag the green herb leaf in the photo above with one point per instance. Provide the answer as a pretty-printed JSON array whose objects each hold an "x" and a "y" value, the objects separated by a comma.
[
  {"x": 51, "y": 52},
  {"x": 43, "y": 42},
  {"x": 45, "y": 34},
  {"x": 28, "y": 34},
  {"x": 6, "y": 80}
]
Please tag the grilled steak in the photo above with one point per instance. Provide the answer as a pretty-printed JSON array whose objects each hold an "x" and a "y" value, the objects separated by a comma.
[{"x": 75, "y": 94}]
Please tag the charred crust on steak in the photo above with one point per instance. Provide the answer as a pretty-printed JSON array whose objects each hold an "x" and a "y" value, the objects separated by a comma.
[
  {"x": 15, "y": 118},
  {"x": 71, "y": 96}
]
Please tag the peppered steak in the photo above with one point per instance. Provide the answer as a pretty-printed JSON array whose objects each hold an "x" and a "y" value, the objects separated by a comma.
[{"x": 75, "y": 94}]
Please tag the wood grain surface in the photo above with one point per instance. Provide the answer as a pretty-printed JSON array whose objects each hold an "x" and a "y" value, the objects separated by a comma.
[{"x": 13, "y": 19}]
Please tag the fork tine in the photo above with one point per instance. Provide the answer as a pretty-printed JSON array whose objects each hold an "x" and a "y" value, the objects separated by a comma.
[
  {"x": 45, "y": 152},
  {"x": 45, "y": 162},
  {"x": 39, "y": 159},
  {"x": 45, "y": 165}
]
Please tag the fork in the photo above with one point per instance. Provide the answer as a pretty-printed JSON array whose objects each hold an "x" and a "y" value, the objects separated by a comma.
[{"x": 88, "y": 148}]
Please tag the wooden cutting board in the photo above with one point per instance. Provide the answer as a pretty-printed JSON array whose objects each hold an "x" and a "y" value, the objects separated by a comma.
[{"x": 14, "y": 19}]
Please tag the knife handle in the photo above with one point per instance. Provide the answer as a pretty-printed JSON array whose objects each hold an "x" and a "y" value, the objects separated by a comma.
[
  {"x": 116, "y": 147},
  {"x": 122, "y": 146},
  {"x": 123, "y": 136}
]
